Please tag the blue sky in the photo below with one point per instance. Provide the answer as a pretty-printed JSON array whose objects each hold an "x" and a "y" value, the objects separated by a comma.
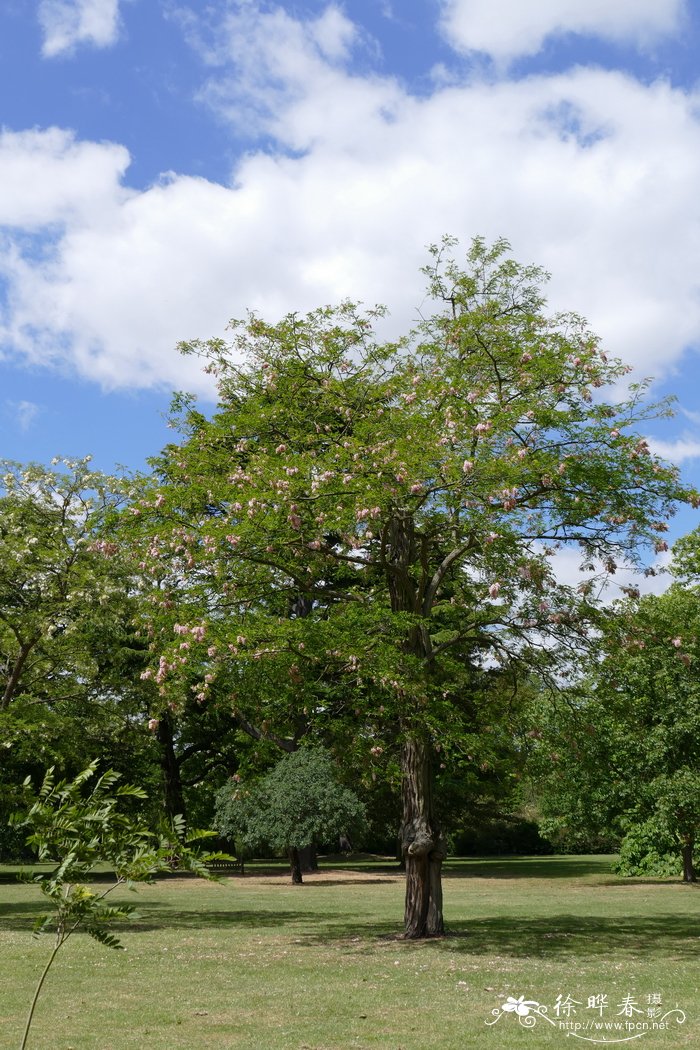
[{"x": 165, "y": 165}]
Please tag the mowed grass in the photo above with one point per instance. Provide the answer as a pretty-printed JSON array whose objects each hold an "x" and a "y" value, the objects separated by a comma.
[{"x": 257, "y": 963}]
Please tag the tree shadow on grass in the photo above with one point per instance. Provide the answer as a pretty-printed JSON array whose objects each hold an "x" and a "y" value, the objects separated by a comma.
[
  {"x": 527, "y": 867},
  {"x": 150, "y": 918},
  {"x": 551, "y": 937},
  {"x": 554, "y": 936}
]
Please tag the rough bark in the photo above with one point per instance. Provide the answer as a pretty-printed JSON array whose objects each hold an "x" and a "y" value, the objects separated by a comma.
[
  {"x": 308, "y": 860},
  {"x": 422, "y": 844},
  {"x": 173, "y": 797},
  {"x": 689, "y": 874},
  {"x": 295, "y": 866}
]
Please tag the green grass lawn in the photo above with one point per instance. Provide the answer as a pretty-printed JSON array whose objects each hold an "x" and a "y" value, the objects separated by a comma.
[{"x": 257, "y": 963}]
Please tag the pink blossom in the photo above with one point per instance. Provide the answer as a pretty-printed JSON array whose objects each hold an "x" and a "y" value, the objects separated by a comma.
[
  {"x": 409, "y": 398},
  {"x": 198, "y": 633},
  {"x": 160, "y": 500},
  {"x": 615, "y": 433},
  {"x": 241, "y": 639},
  {"x": 233, "y": 540},
  {"x": 467, "y": 466},
  {"x": 472, "y": 396},
  {"x": 294, "y": 520},
  {"x": 417, "y": 488},
  {"x": 180, "y": 628},
  {"x": 482, "y": 428},
  {"x": 153, "y": 724},
  {"x": 677, "y": 642},
  {"x": 494, "y": 590},
  {"x": 280, "y": 449},
  {"x": 525, "y": 358},
  {"x": 315, "y": 545},
  {"x": 145, "y": 675}
]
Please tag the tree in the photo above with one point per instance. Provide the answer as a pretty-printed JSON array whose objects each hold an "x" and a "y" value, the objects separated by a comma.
[
  {"x": 623, "y": 756},
  {"x": 299, "y": 803},
  {"x": 69, "y": 661},
  {"x": 56, "y": 573},
  {"x": 361, "y": 524}
]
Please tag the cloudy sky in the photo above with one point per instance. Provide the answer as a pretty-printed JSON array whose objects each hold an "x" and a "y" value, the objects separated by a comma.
[{"x": 166, "y": 165}]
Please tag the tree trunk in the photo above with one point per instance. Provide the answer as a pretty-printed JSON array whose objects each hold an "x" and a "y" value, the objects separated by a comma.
[
  {"x": 688, "y": 867},
  {"x": 295, "y": 866},
  {"x": 422, "y": 844},
  {"x": 172, "y": 785},
  {"x": 308, "y": 861}
]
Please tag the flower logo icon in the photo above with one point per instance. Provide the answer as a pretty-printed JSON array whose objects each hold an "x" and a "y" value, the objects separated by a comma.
[{"x": 520, "y": 1006}]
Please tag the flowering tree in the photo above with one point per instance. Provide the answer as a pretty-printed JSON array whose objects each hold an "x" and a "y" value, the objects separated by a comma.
[
  {"x": 55, "y": 573},
  {"x": 361, "y": 524},
  {"x": 66, "y": 645}
]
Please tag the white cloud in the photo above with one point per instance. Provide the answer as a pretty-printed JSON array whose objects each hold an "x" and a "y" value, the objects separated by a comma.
[
  {"x": 590, "y": 173},
  {"x": 507, "y": 29},
  {"x": 678, "y": 451},
  {"x": 23, "y": 412},
  {"x": 609, "y": 587},
  {"x": 68, "y": 23}
]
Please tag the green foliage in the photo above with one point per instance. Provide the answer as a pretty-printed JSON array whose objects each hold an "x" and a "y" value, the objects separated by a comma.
[
  {"x": 361, "y": 522},
  {"x": 649, "y": 848},
  {"x": 620, "y": 754},
  {"x": 69, "y": 659},
  {"x": 299, "y": 802}
]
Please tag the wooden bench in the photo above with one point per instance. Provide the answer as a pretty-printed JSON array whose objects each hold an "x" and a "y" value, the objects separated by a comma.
[{"x": 223, "y": 866}]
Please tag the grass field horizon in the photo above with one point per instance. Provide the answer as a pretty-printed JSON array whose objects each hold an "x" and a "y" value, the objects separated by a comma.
[{"x": 254, "y": 962}]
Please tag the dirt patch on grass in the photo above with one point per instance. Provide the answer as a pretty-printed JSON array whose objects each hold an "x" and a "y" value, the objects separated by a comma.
[
  {"x": 275, "y": 877},
  {"x": 336, "y": 876}
]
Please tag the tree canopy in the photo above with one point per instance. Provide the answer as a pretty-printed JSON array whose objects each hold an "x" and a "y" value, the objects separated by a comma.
[{"x": 361, "y": 524}]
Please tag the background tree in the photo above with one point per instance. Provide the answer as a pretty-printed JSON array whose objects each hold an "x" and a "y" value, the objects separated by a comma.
[
  {"x": 622, "y": 756},
  {"x": 300, "y": 802},
  {"x": 409, "y": 498},
  {"x": 69, "y": 658}
]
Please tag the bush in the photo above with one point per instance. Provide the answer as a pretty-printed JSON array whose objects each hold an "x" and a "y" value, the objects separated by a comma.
[{"x": 647, "y": 849}]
